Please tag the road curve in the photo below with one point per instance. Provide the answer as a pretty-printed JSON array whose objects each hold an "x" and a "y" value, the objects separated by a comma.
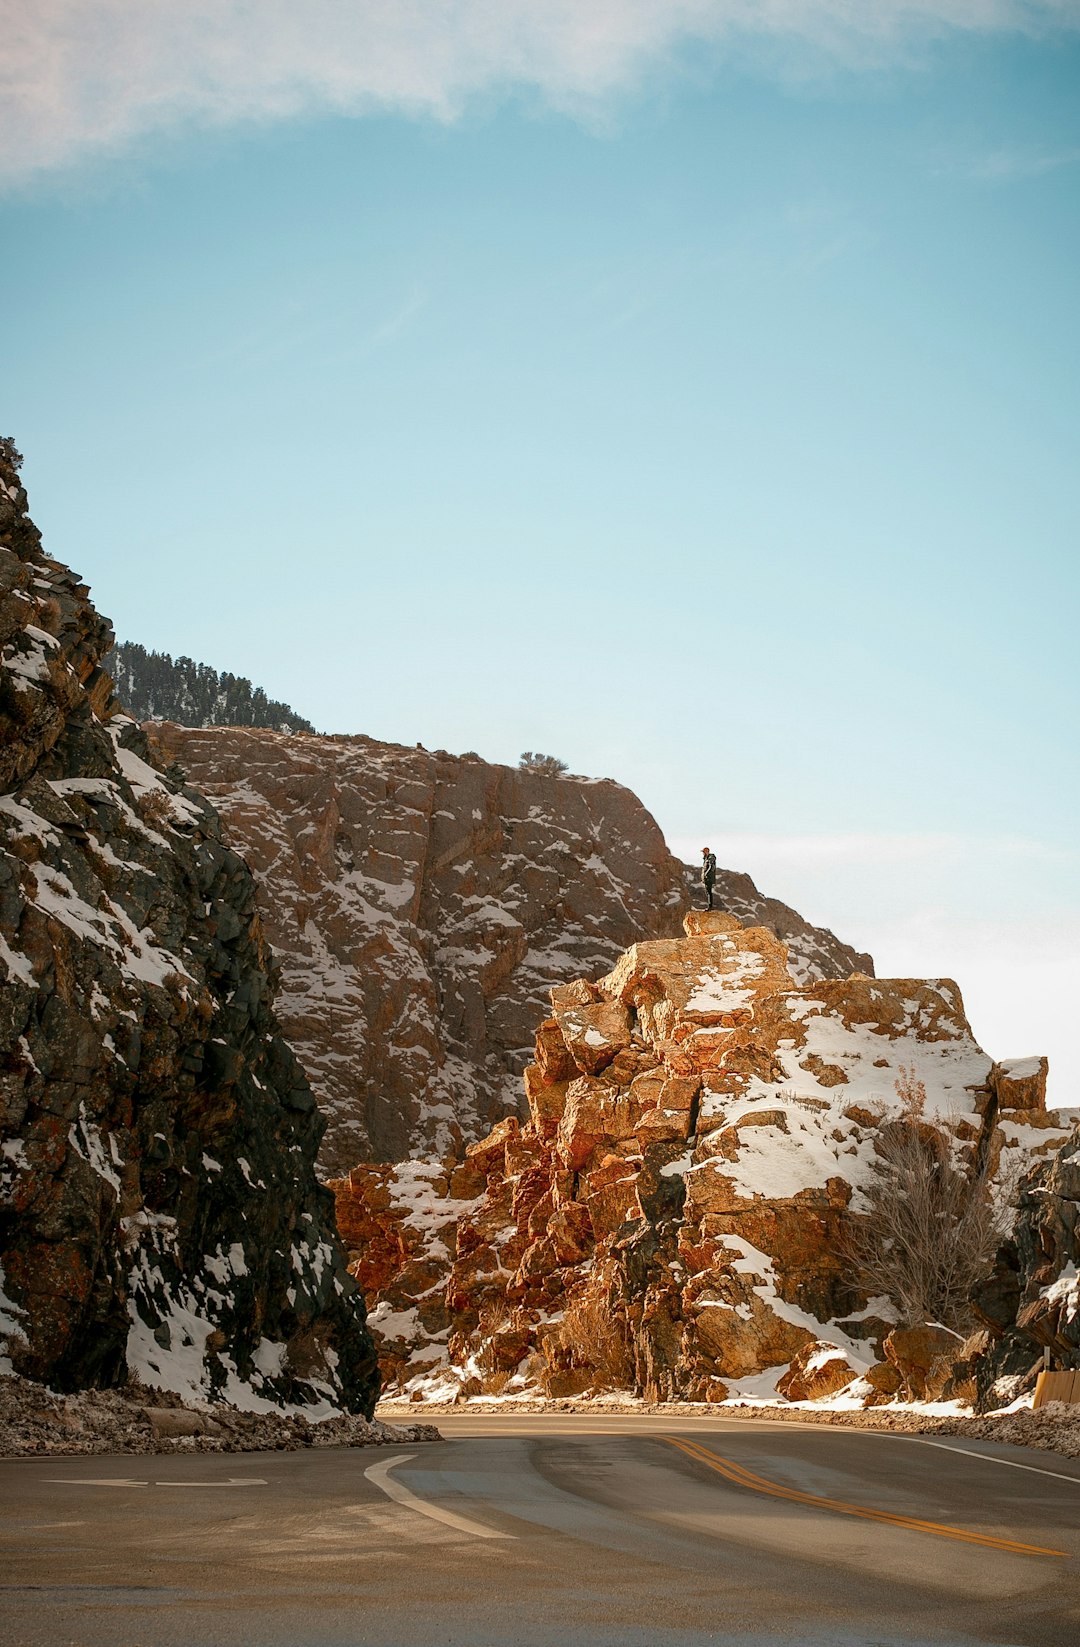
[{"x": 613, "y": 1531}]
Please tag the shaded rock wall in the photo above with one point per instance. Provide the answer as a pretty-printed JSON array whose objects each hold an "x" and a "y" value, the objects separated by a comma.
[
  {"x": 1030, "y": 1304},
  {"x": 422, "y": 905},
  {"x": 159, "y": 1212},
  {"x": 673, "y": 1216}
]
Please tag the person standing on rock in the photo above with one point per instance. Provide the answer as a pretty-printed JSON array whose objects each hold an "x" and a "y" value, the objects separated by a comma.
[{"x": 708, "y": 873}]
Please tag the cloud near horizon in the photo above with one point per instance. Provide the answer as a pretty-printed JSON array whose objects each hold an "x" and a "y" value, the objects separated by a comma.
[{"x": 85, "y": 77}]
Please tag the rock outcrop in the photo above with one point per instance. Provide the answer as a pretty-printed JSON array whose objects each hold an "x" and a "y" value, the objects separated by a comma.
[
  {"x": 673, "y": 1218},
  {"x": 159, "y": 1213},
  {"x": 1030, "y": 1304},
  {"x": 422, "y": 905}
]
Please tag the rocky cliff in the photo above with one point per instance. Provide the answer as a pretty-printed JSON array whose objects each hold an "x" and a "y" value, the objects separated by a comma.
[
  {"x": 674, "y": 1217},
  {"x": 159, "y": 1212},
  {"x": 422, "y": 905},
  {"x": 1030, "y": 1304}
]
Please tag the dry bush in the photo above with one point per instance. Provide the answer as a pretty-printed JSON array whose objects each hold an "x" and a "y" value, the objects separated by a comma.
[
  {"x": 549, "y": 766},
  {"x": 932, "y": 1228},
  {"x": 495, "y": 1313},
  {"x": 589, "y": 1335},
  {"x": 155, "y": 808}
]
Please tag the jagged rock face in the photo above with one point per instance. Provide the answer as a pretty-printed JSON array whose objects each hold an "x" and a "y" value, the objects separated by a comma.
[
  {"x": 674, "y": 1215},
  {"x": 422, "y": 905},
  {"x": 1031, "y": 1301},
  {"x": 159, "y": 1212}
]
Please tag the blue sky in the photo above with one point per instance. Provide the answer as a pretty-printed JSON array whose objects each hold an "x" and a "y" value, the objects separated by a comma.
[{"x": 698, "y": 404}]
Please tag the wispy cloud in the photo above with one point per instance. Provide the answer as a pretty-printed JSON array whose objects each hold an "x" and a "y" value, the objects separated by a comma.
[
  {"x": 1012, "y": 164},
  {"x": 87, "y": 76}
]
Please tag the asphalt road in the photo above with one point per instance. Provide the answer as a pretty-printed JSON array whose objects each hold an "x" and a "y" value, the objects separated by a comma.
[{"x": 614, "y": 1532}]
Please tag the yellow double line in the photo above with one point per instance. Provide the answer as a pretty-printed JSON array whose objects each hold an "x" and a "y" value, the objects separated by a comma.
[{"x": 742, "y": 1477}]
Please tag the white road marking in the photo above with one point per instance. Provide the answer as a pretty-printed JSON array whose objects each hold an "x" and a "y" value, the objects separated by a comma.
[
  {"x": 989, "y": 1458},
  {"x": 379, "y": 1476}
]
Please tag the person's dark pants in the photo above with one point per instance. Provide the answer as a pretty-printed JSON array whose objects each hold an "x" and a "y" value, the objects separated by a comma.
[{"x": 708, "y": 885}]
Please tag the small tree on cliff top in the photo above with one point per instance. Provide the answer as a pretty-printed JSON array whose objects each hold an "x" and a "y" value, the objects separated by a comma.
[
  {"x": 932, "y": 1228},
  {"x": 549, "y": 766},
  {"x": 10, "y": 453}
]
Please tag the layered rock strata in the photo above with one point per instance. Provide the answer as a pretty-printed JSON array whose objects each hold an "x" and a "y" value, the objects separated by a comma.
[
  {"x": 422, "y": 905},
  {"x": 159, "y": 1212},
  {"x": 674, "y": 1216}
]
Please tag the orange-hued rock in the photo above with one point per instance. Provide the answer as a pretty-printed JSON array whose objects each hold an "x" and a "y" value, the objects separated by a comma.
[
  {"x": 593, "y": 1031},
  {"x": 1020, "y": 1083},
  {"x": 595, "y": 1114},
  {"x": 818, "y": 1371},
  {"x": 403, "y": 1226},
  {"x": 678, "y": 1219},
  {"x": 923, "y": 1357}
]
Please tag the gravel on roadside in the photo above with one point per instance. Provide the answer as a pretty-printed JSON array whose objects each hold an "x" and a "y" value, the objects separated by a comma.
[{"x": 37, "y": 1420}]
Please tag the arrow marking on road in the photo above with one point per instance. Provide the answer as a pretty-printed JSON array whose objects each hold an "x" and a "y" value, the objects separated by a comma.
[
  {"x": 120, "y": 1481},
  {"x": 742, "y": 1477},
  {"x": 233, "y": 1481},
  {"x": 379, "y": 1476},
  {"x": 94, "y": 1481}
]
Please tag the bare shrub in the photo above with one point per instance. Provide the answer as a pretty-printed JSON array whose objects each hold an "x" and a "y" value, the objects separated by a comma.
[
  {"x": 155, "y": 808},
  {"x": 589, "y": 1335},
  {"x": 495, "y": 1314},
  {"x": 932, "y": 1228},
  {"x": 548, "y": 766}
]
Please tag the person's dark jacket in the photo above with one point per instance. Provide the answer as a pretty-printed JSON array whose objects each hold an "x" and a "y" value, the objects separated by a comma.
[{"x": 708, "y": 869}]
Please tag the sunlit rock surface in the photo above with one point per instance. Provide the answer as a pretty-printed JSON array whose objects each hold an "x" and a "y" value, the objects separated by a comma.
[{"x": 673, "y": 1216}]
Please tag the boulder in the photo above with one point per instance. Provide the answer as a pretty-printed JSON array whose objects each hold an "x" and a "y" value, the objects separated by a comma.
[
  {"x": 817, "y": 1371},
  {"x": 885, "y": 1381},
  {"x": 592, "y": 1033},
  {"x": 1020, "y": 1083},
  {"x": 595, "y": 1114},
  {"x": 923, "y": 1357}
]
